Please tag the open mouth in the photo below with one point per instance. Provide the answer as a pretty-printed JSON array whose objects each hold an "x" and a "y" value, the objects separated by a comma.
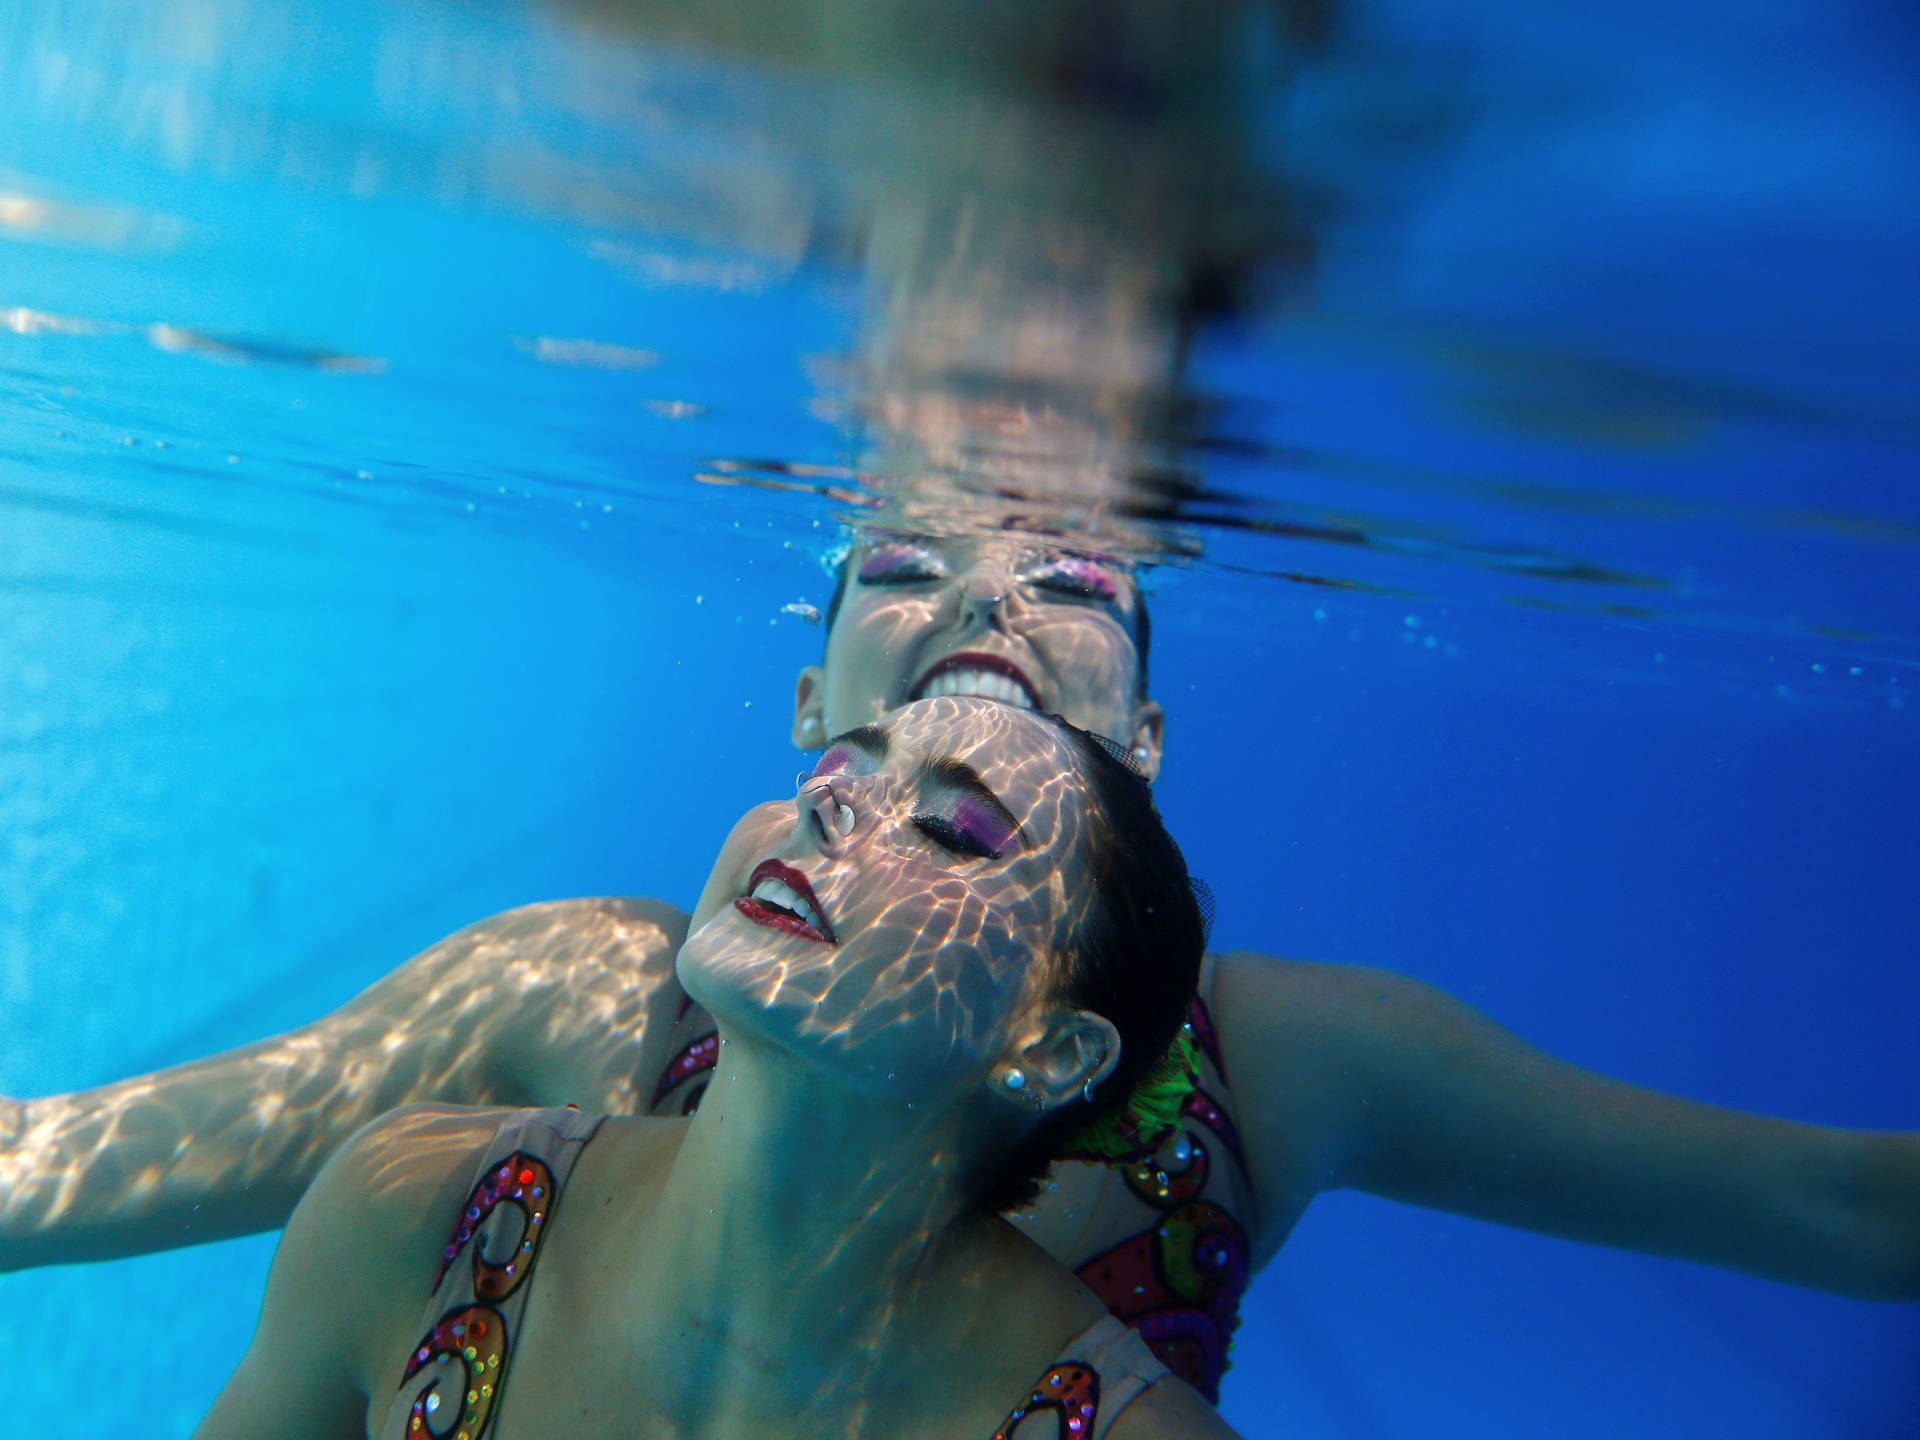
[
  {"x": 779, "y": 898},
  {"x": 974, "y": 673}
]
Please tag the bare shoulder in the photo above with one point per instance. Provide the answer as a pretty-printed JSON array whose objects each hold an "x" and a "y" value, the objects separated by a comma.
[
  {"x": 1299, "y": 1038},
  {"x": 352, "y": 1277},
  {"x": 1296, "y": 993},
  {"x": 1311, "y": 1016},
  {"x": 394, "y": 1167},
  {"x": 371, "y": 1228},
  {"x": 1305, "y": 1015},
  {"x": 1171, "y": 1410}
]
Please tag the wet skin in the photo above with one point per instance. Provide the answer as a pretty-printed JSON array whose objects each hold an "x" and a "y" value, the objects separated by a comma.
[
  {"x": 933, "y": 858},
  {"x": 1343, "y": 1076},
  {"x": 977, "y": 616},
  {"x": 788, "y": 1261}
]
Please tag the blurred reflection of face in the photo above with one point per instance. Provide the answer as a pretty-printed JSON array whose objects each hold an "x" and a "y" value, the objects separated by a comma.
[
  {"x": 997, "y": 616},
  {"x": 898, "y": 920}
]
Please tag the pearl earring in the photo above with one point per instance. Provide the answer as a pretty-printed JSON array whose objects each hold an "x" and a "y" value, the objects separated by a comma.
[
  {"x": 1140, "y": 754},
  {"x": 810, "y": 724},
  {"x": 1015, "y": 1080},
  {"x": 843, "y": 819},
  {"x": 1086, "y": 1090}
]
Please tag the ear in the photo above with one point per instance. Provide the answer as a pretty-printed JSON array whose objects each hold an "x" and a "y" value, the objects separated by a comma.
[
  {"x": 809, "y": 709},
  {"x": 1070, "y": 1050},
  {"x": 1149, "y": 724}
]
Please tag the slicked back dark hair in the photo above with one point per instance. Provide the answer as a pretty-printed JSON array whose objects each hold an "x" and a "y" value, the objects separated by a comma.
[{"x": 1135, "y": 958}]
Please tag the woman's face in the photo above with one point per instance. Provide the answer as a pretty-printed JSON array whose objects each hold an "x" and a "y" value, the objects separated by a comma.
[
  {"x": 997, "y": 616},
  {"x": 895, "y": 923}
]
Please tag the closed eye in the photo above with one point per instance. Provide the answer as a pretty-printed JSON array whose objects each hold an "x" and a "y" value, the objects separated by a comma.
[
  {"x": 950, "y": 837},
  {"x": 901, "y": 565},
  {"x": 1075, "y": 577}
]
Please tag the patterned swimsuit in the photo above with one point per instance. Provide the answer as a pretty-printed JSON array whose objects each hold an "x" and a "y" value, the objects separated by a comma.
[
  {"x": 456, "y": 1373},
  {"x": 1162, "y": 1242}
]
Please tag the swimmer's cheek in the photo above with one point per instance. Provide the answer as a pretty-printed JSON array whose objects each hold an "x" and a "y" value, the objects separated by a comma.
[{"x": 757, "y": 835}]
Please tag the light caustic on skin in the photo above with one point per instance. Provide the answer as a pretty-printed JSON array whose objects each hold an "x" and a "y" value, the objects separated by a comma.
[
  {"x": 86, "y": 1163},
  {"x": 919, "y": 924},
  {"x": 993, "y": 615}
]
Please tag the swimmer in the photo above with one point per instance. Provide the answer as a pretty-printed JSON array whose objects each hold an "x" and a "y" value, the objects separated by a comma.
[
  {"x": 962, "y": 948},
  {"x": 1341, "y": 1076}
]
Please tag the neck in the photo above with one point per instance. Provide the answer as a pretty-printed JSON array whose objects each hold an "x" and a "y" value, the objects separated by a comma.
[{"x": 799, "y": 1227}]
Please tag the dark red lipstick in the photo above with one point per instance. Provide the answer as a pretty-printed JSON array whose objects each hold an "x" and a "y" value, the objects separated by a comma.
[{"x": 773, "y": 914}]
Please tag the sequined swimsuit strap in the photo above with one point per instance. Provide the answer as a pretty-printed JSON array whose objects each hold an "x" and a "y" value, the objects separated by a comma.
[
  {"x": 1100, "y": 1373},
  {"x": 451, "y": 1381}
]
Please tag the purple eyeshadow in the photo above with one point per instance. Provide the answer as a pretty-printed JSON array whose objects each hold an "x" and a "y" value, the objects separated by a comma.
[
  {"x": 833, "y": 762},
  {"x": 976, "y": 820},
  {"x": 1094, "y": 577},
  {"x": 891, "y": 562}
]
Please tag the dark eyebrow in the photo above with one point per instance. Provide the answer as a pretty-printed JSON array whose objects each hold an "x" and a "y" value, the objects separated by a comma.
[
  {"x": 958, "y": 775},
  {"x": 870, "y": 738}
]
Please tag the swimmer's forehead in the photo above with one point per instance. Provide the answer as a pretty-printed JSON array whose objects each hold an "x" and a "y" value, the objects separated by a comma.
[{"x": 1023, "y": 758}]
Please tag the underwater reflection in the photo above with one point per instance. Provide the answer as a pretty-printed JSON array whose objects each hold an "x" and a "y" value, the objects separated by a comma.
[{"x": 1037, "y": 255}]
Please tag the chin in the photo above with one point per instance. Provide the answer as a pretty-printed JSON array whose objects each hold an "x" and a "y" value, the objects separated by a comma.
[
  {"x": 906, "y": 1047},
  {"x": 732, "y": 975}
]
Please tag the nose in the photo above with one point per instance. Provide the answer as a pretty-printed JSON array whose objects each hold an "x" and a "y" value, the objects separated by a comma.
[
  {"x": 829, "y": 811},
  {"x": 986, "y": 584}
]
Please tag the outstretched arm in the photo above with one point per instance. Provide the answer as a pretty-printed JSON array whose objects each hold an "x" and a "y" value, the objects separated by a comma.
[
  {"x": 567, "y": 1001},
  {"x": 1354, "y": 1077}
]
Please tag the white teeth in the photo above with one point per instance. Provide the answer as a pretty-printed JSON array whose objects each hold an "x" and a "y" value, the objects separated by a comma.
[
  {"x": 987, "y": 684},
  {"x": 773, "y": 892}
]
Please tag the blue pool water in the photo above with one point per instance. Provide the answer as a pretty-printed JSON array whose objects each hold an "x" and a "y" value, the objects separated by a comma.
[{"x": 1553, "y": 639}]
